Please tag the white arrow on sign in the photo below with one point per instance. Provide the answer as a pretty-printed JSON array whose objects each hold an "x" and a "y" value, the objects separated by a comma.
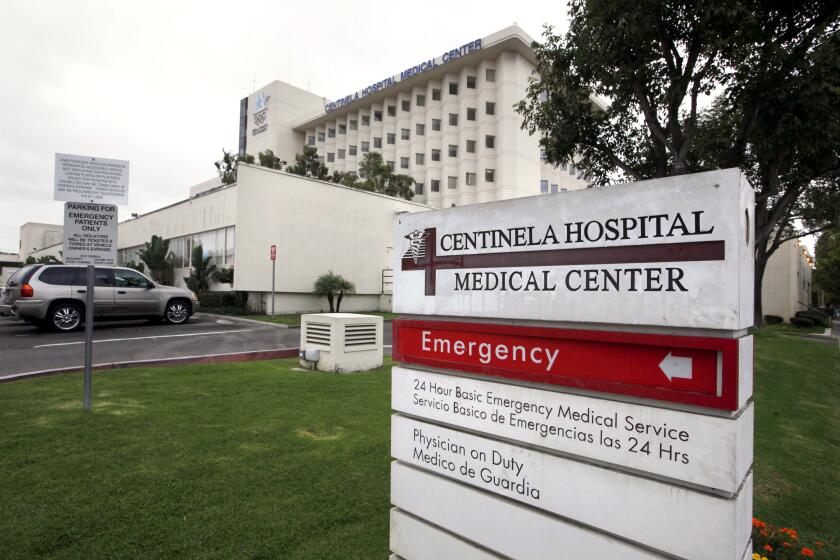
[{"x": 675, "y": 367}]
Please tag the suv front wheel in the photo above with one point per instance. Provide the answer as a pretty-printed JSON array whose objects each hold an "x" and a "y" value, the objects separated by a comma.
[
  {"x": 65, "y": 317},
  {"x": 177, "y": 312}
]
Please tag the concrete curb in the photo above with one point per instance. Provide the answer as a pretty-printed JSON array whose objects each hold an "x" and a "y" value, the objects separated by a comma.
[
  {"x": 253, "y": 355},
  {"x": 234, "y": 318}
]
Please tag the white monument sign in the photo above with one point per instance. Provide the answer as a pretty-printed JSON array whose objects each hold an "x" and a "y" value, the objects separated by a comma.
[
  {"x": 575, "y": 375},
  {"x": 90, "y": 179},
  {"x": 90, "y": 234}
]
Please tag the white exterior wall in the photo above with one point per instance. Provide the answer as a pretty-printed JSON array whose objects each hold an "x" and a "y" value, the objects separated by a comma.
[
  {"x": 786, "y": 286},
  {"x": 317, "y": 227},
  {"x": 35, "y": 236}
]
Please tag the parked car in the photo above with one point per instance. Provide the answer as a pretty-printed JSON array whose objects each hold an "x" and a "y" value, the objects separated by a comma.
[
  {"x": 53, "y": 296},
  {"x": 21, "y": 275}
]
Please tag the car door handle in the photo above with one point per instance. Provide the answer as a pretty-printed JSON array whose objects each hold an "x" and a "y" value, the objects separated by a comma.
[
  {"x": 121, "y": 291},
  {"x": 81, "y": 291}
]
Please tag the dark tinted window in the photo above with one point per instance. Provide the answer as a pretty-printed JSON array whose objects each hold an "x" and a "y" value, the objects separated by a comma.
[
  {"x": 104, "y": 277},
  {"x": 129, "y": 279},
  {"x": 61, "y": 276}
]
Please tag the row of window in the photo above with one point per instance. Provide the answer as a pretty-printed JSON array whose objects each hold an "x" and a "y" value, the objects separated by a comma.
[
  {"x": 420, "y": 129},
  {"x": 544, "y": 187},
  {"x": 218, "y": 244},
  {"x": 452, "y": 181},
  {"x": 420, "y": 158}
]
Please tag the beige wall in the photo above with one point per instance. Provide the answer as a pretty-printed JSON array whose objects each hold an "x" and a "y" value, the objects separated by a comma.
[
  {"x": 35, "y": 236},
  {"x": 317, "y": 227},
  {"x": 786, "y": 286}
]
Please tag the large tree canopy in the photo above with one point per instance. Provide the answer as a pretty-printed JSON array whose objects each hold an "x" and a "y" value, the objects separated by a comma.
[{"x": 620, "y": 94}]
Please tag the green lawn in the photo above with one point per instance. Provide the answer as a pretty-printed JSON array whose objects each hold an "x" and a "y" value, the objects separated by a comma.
[
  {"x": 256, "y": 460},
  {"x": 293, "y": 319}
]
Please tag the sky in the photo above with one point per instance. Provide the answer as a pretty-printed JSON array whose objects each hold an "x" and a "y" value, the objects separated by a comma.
[{"x": 159, "y": 83}]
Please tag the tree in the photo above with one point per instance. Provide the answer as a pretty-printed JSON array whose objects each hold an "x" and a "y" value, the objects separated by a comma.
[
  {"x": 202, "y": 271},
  {"x": 158, "y": 260},
  {"x": 620, "y": 95},
  {"x": 379, "y": 178},
  {"x": 226, "y": 167},
  {"x": 401, "y": 186},
  {"x": 827, "y": 273},
  {"x": 308, "y": 164},
  {"x": 346, "y": 178},
  {"x": 45, "y": 259},
  {"x": 268, "y": 159},
  {"x": 328, "y": 284},
  {"x": 224, "y": 275}
]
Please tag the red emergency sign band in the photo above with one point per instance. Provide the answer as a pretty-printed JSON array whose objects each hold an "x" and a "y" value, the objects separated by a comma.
[{"x": 701, "y": 371}]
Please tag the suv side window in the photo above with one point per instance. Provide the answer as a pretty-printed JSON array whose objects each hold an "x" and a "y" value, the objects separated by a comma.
[
  {"x": 61, "y": 276},
  {"x": 102, "y": 277},
  {"x": 130, "y": 279}
]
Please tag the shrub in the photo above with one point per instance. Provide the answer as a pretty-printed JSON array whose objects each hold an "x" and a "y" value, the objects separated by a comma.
[
  {"x": 773, "y": 319},
  {"x": 802, "y": 322},
  {"x": 817, "y": 317},
  {"x": 235, "y": 300}
]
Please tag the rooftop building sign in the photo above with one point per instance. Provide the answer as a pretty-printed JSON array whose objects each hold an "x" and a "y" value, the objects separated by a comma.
[{"x": 424, "y": 66}]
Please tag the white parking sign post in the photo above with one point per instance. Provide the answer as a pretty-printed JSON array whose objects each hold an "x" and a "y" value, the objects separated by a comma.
[{"x": 91, "y": 187}]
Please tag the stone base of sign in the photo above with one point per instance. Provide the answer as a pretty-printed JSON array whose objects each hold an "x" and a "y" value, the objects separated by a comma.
[
  {"x": 414, "y": 539},
  {"x": 504, "y": 527}
]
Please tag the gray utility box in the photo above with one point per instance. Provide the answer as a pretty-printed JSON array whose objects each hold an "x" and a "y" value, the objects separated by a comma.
[{"x": 340, "y": 342}]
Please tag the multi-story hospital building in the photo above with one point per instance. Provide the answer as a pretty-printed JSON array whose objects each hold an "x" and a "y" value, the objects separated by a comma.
[{"x": 447, "y": 121}]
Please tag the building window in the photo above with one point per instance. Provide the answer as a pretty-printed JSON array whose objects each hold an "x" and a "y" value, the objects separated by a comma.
[
  {"x": 392, "y": 138},
  {"x": 321, "y": 137},
  {"x": 418, "y": 188},
  {"x": 470, "y": 146},
  {"x": 490, "y": 74},
  {"x": 571, "y": 169},
  {"x": 489, "y": 141},
  {"x": 470, "y": 82},
  {"x": 365, "y": 120},
  {"x": 406, "y": 105},
  {"x": 352, "y": 150},
  {"x": 377, "y": 116},
  {"x": 435, "y": 95},
  {"x": 404, "y": 134},
  {"x": 453, "y": 119},
  {"x": 470, "y": 114},
  {"x": 436, "y": 124},
  {"x": 543, "y": 186},
  {"x": 470, "y": 179},
  {"x": 421, "y": 101},
  {"x": 435, "y": 185},
  {"x": 420, "y": 159},
  {"x": 321, "y": 159},
  {"x": 453, "y": 150},
  {"x": 390, "y": 164},
  {"x": 311, "y": 141},
  {"x": 553, "y": 188},
  {"x": 392, "y": 110},
  {"x": 435, "y": 155},
  {"x": 489, "y": 175},
  {"x": 490, "y": 108},
  {"x": 342, "y": 129},
  {"x": 331, "y": 132},
  {"x": 420, "y": 129},
  {"x": 330, "y": 157},
  {"x": 341, "y": 153},
  {"x": 365, "y": 147},
  {"x": 377, "y": 142},
  {"x": 452, "y": 182},
  {"x": 453, "y": 88},
  {"x": 354, "y": 124},
  {"x": 403, "y": 163}
]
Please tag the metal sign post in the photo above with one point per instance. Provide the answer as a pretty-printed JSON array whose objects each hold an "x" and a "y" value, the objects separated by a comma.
[
  {"x": 91, "y": 277},
  {"x": 273, "y": 267}
]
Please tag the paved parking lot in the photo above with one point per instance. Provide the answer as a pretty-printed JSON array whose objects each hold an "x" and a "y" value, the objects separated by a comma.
[{"x": 24, "y": 348}]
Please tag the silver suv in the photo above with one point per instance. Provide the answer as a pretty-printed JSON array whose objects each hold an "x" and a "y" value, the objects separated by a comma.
[{"x": 53, "y": 296}]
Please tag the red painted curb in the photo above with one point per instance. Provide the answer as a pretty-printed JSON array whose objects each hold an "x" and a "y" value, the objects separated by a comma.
[{"x": 257, "y": 355}]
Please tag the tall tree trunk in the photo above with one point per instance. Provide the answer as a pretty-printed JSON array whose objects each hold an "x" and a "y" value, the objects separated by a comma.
[
  {"x": 330, "y": 301},
  {"x": 761, "y": 257},
  {"x": 338, "y": 303}
]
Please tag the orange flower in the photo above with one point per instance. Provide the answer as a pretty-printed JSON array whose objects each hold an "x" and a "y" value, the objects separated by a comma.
[
  {"x": 807, "y": 552},
  {"x": 768, "y": 548},
  {"x": 757, "y": 523},
  {"x": 763, "y": 533},
  {"x": 786, "y": 544}
]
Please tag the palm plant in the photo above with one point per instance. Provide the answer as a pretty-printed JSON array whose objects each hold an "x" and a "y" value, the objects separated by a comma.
[
  {"x": 328, "y": 284},
  {"x": 158, "y": 260},
  {"x": 202, "y": 271}
]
